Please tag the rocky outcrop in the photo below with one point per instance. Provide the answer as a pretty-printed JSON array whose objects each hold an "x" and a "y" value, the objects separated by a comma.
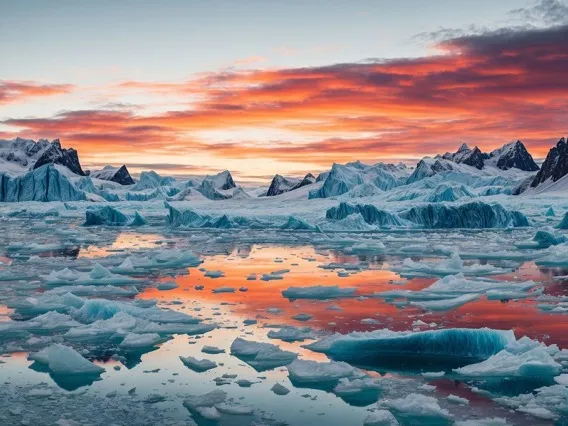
[
  {"x": 555, "y": 166},
  {"x": 57, "y": 155}
]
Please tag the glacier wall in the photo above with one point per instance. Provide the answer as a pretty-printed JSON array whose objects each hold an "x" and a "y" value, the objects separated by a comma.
[
  {"x": 471, "y": 215},
  {"x": 45, "y": 183}
]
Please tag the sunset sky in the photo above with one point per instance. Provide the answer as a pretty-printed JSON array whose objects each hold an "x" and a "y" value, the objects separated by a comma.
[{"x": 262, "y": 87}]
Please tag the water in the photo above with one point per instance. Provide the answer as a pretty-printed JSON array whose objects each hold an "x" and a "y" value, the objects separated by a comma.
[{"x": 159, "y": 371}]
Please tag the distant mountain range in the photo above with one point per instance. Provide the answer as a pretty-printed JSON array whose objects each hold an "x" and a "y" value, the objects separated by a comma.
[{"x": 21, "y": 156}]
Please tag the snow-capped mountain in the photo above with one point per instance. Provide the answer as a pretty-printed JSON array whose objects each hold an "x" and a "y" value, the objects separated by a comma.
[
  {"x": 114, "y": 174},
  {"x": 280, "y": 184},
  {"x": 555, "y": 165},
  {"x": 465, "y": 155},
  {"x": 511, "y": 155},
  {"x": 31, "y": 155}
]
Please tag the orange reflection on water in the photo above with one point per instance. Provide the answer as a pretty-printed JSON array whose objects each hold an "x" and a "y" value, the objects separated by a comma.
[
  {"x": 268, "y": 294},
  {"x": 123, "y": 242},
  {"x": 523, "y": 316}
]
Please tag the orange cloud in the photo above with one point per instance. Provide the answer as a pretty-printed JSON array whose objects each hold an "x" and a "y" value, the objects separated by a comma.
[
  {"x": 482, "y": 89},
  {"x": 18, "y": 91}
]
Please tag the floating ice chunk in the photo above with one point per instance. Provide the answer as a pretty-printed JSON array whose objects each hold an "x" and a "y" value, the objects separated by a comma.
[
  {"x": 536, "y": 411},
  {"x": 198, "y": 365},
  {"x": 261, "y": 356},
  {"x": 444, "y": 292},
  {"x": 458, "y": 400},
  {"x": 536, "y": 362},
  {"x": 416, "y": 405},
  {"x": 168, "y": 285},
  {"x": 451, "y": 266},
  {"x": 564, "y": 222},
  {"x": 103, "y": 330},
  {"x": 158, "y": 260},
  {"x": 233, "y": 409},
  {"x": 279, "y": 389},
  {"x": 549, "y": 402},
  {"x": 275, "y": 275},
  {"x": 63, "y": 360},
  {"x": 302, "y": 317},
  {"x": 110, "y": 216},
  {"x": 380, "y": 418},
  {"x": 318, "y": 292},
  {"x": 95, "y": 309},
  {"x": 99, "y": 275},
  {"x": 212, "y": 350},
  {"x": 49, "y": 322},
  {"x": 415, "y": 350},
  {"x": 488, "y": 421},
  {"x": 223, "y": 290},
  {"x": 101, "y": 291},
  {"x": 136, "y": 341},
  {"x": 554, "y": 256},
  {"x": 446, "y": 304},
  {"x": 204, "y": 405},
  {"x": 548, "y": 237},
  {"x": 358, "y": 391},
  {"x": 433, "y": 374},
  {"x": 320, "y": 374},
  {"x": 370, "y": 321},
  {"x": 562, "y": 379},
  {"x": 214, "y": 274},
  {"x": 291, "y": 334}
]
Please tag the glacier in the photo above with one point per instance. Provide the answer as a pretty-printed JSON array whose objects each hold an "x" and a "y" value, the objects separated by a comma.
[{"x": 472, "y": 215}]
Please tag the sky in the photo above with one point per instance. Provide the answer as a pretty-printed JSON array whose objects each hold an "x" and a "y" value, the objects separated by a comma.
[{"x": 262, "y": 87}]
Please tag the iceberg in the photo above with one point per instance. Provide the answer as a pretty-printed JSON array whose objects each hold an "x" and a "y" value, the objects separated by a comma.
[
  {"x": 261, "y": 356},
  {"x": 564, "y": 222},
  {"x": 110, "y": 216},
  {"x": 64, "y": 360},
  {"x": 534, "y": 363},
  {"x": 295, "y": 224},
  {"x": 198, "y": 365},
  {"x": 414, "y": 350},
  {"x": 326, "y": 375},
  {"x": 279, "y": 389},
  {"x": 358, "y": 391},
  {"x": 137, "y": 341},
  {"x": 471, "y": 215},
  {"x": 414, "y": 407},
  {"x": 371, "y": 215},
  {"x": 380, "y": 418},
  {"x": 204, "y": 405},
  {"x": 547, "y": 237},
  {"x": 291, "y": 334}
]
